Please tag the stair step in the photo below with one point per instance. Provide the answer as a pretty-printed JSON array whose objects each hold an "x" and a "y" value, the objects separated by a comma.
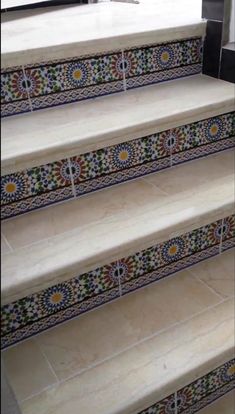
[
  {"x": 51, "y": 135},
  {"x": 125, "y": 238},
  {"x": 111, "y": 140},
  {"x": 156, "y": 346},
  {"x": 94, "y": 28}
]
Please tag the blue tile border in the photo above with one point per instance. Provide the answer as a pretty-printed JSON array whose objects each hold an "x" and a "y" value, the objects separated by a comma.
[
  {"x": 58, "y": 181},
  {"x": 49, "y": 84},
  {"x": 66, "y": 300},
  {"x": 197, "y": 395}
]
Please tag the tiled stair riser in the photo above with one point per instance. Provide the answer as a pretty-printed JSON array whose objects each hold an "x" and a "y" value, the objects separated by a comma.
[
  {"x": 197, "y": 395},
  {"x": 56, "y": 304},
  {"x": 65, "y": 179},
  {"x": 48, "y": 84}
]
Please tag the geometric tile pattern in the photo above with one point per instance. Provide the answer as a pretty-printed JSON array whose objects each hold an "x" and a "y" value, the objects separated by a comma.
[
  {"x": 44, "y": 309},
  {"x": 47, "y": 184},
  {"x": 198, "y": 394},
  {"x": 48, "y": 84}
]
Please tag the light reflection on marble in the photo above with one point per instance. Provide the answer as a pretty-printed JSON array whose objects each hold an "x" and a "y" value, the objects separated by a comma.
[
  {"x": 49, "y": 135},
  {"x": 95, "y": 28}
]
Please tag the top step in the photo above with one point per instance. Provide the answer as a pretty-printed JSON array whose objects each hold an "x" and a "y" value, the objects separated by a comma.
[{"x": 95, "y": 28}]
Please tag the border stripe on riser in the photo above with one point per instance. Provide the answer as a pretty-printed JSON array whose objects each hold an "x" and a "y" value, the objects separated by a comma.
[
  {"x": 40, "y": 311},
  {"x": 52, "y": 183},
  {"x": 198, "y": 394},
  {"x": 48, "y": 84}
]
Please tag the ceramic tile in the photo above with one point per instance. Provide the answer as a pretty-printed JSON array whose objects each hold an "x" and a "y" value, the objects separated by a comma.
[
  {"x": 63, "y": 131},
  {"x": 220, "y": 276},
  {"x": 147, "y": 373},
  {"x": 27, "y": 369},
  {"x": 121, "y": 201},
  {"x": 179, "y": 181},
  {"x": 191, "y": 395},
  {"x": 111, "y": 165},
  {"x": 225, "y": 405},
  {"x": 70, "y": 348},
  {"x": 86, "y": 291},
  {"x": 25, "y": 190},
  {"x": 154, "y": 221}
]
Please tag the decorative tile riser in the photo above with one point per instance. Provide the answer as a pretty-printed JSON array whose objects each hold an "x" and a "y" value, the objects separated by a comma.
[
  {"x": 73, "y": 177},
  {"x": 52, "y": 306},
  {"x": 197, "y": 395},
  {"x": 48, "y": 84}
]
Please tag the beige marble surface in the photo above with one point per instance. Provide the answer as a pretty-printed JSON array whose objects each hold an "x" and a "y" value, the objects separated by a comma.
[
  {"x": 129, "y": 227},
  {"x": 221, "y": 276},
  {"x": 49, "y": 135},
  {"x": 146, "y": 373},
  {"x": 70, "y": 348},
  {"x": 28, "y": 370},
  {"x": 95, "y": 28},
  {"x": 224, "y": 405},
  {"x": 155, "y": 349}
]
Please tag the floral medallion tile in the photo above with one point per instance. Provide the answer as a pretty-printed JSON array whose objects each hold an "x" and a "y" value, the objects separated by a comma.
[
  {"x": 198, "y": 394},
  {"x": 32, "y": 183},
  {"x": 47, "y": 84},
  {"x": 115, "y": 164},
  {"x": 209, "y": 384},
  {"x": 98, "y": 286},
  {"x": 228, "y": 228}
]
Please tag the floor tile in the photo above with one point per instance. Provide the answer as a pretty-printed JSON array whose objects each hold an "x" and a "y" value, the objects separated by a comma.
[
  {"x": 220, "y": 276},
  {"x": 224, "y": 405},
  {"x": 5, "y": 248},
  {"x": 140, "y": 377},
  {"x": 38, "y": 225},
  {"x": 27, "y": 369},
  {"x": 181, "y": 179},
  {"x": 70, "y": 347}
]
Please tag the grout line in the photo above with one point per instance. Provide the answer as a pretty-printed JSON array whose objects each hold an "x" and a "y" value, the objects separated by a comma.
[
  {"x": 7, "y": 242},
  {"x": 176, "y": 408},
  {"x": 116, "y": 354},
  {"x": 29, "y": 99},
  {"x": 46, "y": 358},
  {"x": 205, "y": 284},
  {"x": 221, "y": 236},
  {"x": 123, "y": 72},
  {"x": 71, "y": 178},
  {"x": 119, "y": 280}
]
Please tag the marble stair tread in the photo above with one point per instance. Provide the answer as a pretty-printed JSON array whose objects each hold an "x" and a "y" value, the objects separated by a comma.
[
  {"x": 37, "y": 138},
  {"x": 165, "y": 337},
  {"x": 57, "y": 243},
  {"x": 94, "y": 28}
]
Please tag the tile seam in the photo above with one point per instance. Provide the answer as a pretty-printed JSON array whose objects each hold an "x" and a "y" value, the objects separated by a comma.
[
  {"x": 123, "y": 71},
  {"x": 71, "y": 178},
  {"x": 221, "y": 237},
  {"x": 46, "y": 359},
  {"x": 7, "y": 242},
  {"x": 162, "y": 331},
  {"x": 27, "y": 89}
]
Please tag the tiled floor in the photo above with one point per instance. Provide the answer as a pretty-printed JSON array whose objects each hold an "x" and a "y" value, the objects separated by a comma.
[
  {"x": 225, "y": 405},
  {"x": 117, "y": 349}
]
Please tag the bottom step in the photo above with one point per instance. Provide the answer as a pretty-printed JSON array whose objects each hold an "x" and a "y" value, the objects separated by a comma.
[{"x": 170, "y": 342}]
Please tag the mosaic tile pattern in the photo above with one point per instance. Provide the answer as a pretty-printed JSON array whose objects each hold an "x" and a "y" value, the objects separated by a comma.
[
  {"x": 51, "y": 183},
  {"x": 54, "y": 83},
  {"x": 199, "y": 393},
  {"x": 49, "y": 307}
]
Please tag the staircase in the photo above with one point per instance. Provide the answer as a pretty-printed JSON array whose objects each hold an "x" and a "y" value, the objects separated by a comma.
[{"x": 117, "y": 172}]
